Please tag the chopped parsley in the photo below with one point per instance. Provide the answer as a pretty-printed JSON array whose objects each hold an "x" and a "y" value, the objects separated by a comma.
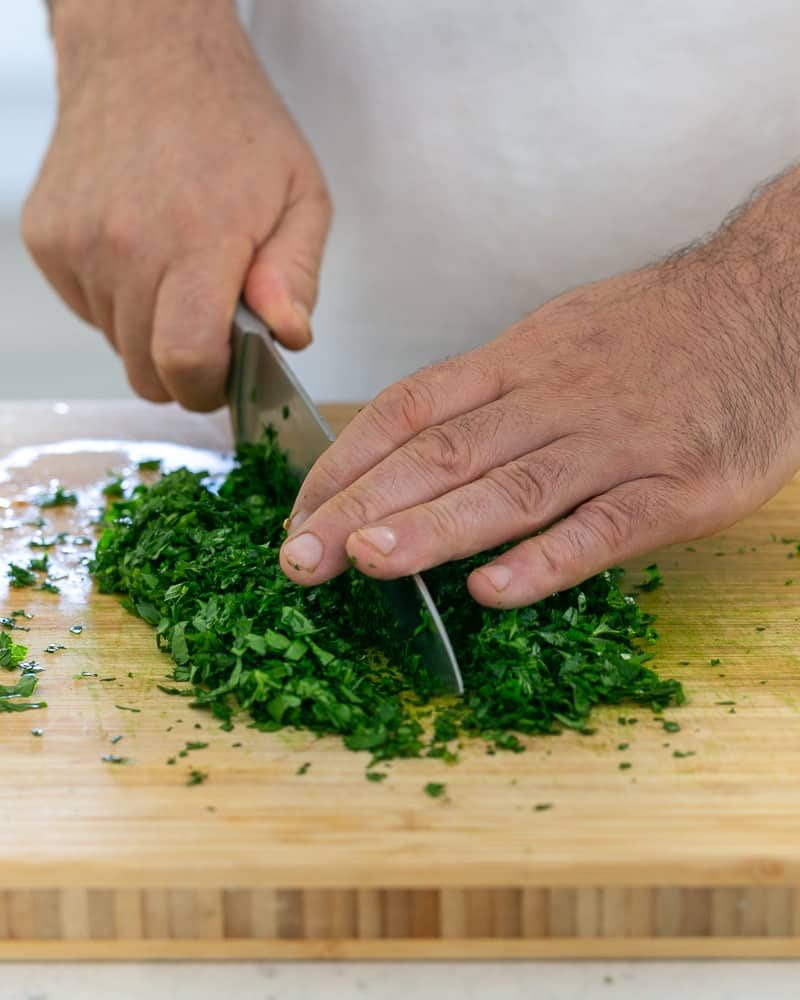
[
  {"x": 26, "y": 576},
  {"x": 198, "y": 561},
  {"x": 40, "y": 542},
  {"x": 58, "y": 498},
  {"x": 20, "y": 576},
  {"x": 114, "y": 489},
  {"x": 11, "y": 653},
  {"x": 653, "y": 580},
  {"x": 24, "y": 688},
  {"x": 11, "y": 623}
]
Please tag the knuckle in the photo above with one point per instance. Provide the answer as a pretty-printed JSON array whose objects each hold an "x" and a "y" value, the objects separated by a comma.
[
  {"x": 445, "y": 448},
  {"x": 171, "y": 359},
  {"x": 191, "y": 318},
  {"x": 306, "y": 266},
  {"x": 183, "y": 359},
  {"x": 120, "y": 230},
  {"x": 78, "y": 240},
  {"x": 41, "y": 230},
  {"x": 146, "y": 385},
  {"x": 442, "y": 521},
  {"x": 407, "y": 406},
  {"x": 550, "y": 555},
  {"x": 610, "y": 520},
  {"x": 326, "y": 479},
  {"x": 522, "y": 486},
  {"x": 355, "y": 506}
]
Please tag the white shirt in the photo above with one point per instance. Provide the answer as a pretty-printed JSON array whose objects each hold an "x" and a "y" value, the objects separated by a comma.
[{"x": 484, "y": 156}]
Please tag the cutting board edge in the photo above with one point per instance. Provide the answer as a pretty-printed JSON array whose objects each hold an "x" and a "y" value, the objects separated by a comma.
[
  {"x": 432, "y": 949},
  {"x": 702, "y": 872}
]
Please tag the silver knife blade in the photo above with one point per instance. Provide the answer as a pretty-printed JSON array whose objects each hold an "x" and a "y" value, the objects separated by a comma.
[{"x": 263, "y": 390}]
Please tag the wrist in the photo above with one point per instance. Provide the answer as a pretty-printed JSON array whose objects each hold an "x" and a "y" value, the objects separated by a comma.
[
  {"x": 756, "y": 251},
  {"x": 746, "y": 276},
  {"x": 88, "y": 32}
]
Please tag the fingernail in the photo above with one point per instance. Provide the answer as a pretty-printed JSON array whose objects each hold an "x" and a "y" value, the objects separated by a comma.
[
  {"x": 304, "y": 316},
  {"x": 293, "y": 521},
  {"x": 303, "y": 552},
  {"x": 380, "y": 538},
  {"x": 498, "y": 576}
]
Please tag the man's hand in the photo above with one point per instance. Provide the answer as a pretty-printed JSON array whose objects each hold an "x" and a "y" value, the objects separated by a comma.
[
  {"x": 655, "y": 407},
  {"x": 174, "y": 180}
]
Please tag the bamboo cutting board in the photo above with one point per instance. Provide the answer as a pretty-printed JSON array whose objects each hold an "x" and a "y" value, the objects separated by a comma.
[{"x": 688, "y": 855}]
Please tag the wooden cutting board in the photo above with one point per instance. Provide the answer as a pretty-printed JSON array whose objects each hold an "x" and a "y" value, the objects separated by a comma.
[{"x": 688, "y": 855}]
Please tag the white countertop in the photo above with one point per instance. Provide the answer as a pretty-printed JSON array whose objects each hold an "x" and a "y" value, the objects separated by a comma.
[{"x": 704, "y": 980}]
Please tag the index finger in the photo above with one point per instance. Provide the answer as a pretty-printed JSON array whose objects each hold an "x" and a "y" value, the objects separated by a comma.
[
  {"x": 194, "y": 306},
  {"x": 397, "y": 414}
]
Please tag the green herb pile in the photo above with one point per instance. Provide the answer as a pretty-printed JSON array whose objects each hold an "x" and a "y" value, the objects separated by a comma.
[
  {"x": 12, "y": 657},
  {"x": 200, "y": 564}
]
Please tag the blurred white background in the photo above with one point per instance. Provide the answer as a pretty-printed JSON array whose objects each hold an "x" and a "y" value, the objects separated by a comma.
[
  {"x": 47, "y": 352},
  {"x": 26, "y": 98}
]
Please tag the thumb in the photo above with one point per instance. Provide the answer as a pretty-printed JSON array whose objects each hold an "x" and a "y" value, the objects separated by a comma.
[
  {"x": 195, "y": 302},
  {"x": 281, "y": 286}
]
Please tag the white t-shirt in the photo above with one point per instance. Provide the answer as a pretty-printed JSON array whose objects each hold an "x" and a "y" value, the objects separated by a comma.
[{"x": 483, "y": 157}]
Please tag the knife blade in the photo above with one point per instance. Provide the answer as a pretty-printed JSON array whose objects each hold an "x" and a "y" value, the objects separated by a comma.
[{"x": 263, "y": 391}]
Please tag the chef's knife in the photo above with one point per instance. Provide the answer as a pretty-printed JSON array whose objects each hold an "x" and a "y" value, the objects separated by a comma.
[{"x": 263, "y": 390}]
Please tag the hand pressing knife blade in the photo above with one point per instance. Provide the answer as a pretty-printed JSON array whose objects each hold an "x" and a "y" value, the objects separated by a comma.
[{"x": 262, "y": 390}]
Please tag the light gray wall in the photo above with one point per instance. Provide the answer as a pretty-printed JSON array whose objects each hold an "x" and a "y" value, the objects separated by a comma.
[{"x": 26, "y": 97}]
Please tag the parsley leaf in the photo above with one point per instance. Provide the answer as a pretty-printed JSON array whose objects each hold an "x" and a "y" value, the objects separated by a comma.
[{"x": 58, "y": 498}]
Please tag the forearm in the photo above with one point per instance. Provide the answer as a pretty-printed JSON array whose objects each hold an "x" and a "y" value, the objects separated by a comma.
[
  {"x": 752, "y": 263},
  {"x": 86, "y": 32},
  {"x": 738, "y": 293}
]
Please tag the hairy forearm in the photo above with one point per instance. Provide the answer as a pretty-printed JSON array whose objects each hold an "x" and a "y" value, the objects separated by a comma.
[
  {"x": 738, "y": 291},
  {"x": 753, "y": 260}
]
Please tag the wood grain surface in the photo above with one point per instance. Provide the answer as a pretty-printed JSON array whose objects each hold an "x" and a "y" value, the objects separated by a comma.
[{"x": 684, "y": 855}]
